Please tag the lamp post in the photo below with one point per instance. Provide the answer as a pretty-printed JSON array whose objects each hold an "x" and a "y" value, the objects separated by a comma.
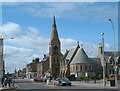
[
  {"x": 115, "y": 66},
  {"x": 2, "y": 69},
  {"x": 103, "y": 61}
]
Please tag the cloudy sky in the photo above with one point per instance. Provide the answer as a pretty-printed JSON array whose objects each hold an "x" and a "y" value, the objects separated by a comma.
[{"x": 30, "y": 25}]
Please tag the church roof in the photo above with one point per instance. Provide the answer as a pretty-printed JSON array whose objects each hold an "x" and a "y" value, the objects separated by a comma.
[
  {"x": 80, "y": 57},
  {"x": 96, "y": 63},
  {"x": 70, "y": 53}
]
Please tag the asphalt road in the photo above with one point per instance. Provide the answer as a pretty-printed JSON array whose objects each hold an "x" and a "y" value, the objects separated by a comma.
[{"x": 29, "y": 85}]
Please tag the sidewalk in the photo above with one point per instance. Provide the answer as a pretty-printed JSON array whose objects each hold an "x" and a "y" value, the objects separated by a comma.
[
  {"x": 98, "y": 84},
  {"x": 12, "y": 87}
]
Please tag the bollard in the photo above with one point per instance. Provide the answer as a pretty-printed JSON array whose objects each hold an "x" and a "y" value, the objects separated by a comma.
[
  {"x": 53, "y": 81},
  {"x": 47, "y": 81},
  {"x": 13, "y": 84}
]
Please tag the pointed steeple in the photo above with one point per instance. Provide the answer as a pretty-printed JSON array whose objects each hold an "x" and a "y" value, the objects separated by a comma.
[
  {"x": 54, "y": 36},
  {"x": 54, "y": 22}
]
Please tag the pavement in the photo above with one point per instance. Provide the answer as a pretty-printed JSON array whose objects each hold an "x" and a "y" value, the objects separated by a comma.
[{"x": 12, "y": 87}]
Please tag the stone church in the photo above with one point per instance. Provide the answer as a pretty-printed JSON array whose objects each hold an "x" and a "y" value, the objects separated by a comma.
[
  {"x": 50, "y": 65},
  {"x": 74, "y": 61}
]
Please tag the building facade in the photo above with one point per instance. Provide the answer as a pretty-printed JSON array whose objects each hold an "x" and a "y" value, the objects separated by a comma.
[
  {"x": 76, "y": 62},
  {"x": 31, "y": 69},
  {"x": 110, "y": 60}
]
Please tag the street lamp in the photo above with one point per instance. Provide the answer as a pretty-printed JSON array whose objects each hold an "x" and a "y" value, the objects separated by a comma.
[
  {"x": 2, "y": 69},
  {"x": 103, "y": 61},
  {"x": 115, "y": 66}
]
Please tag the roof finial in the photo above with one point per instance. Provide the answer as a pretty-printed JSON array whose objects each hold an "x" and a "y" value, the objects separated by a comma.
[
  {"x": 54, "y": 22},
  {"x": 78, "y": 44}
]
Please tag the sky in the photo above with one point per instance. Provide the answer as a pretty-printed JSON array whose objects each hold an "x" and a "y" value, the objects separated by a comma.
[{"x": 30, "y": 24}]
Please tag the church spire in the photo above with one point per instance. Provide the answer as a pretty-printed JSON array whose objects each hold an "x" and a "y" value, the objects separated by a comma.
[
  {"x": 54, "y": 22},
  {"x": 54, "y": 36}
]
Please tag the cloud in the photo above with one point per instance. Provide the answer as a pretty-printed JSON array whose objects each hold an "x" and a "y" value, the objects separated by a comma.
[
  {"x": 83, "y": 11},
  {"x": 10, "y": 29},
  {"x": 80, "y": 11}
]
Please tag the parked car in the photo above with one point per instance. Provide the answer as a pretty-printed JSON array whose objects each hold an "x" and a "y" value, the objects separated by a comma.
[
  {"x": 62, "y": 81},
  {"x": 38, "y": 79}
]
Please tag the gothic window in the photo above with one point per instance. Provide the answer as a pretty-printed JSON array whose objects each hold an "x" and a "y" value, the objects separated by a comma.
[
  {"x": 55, "y": 60},
  {"x": 81, "y": 67},
  {"x": 73, "y": 68},
  {"x": 85, "y": 67},
  {"x": 56, "y": 69},
  {"x": 89, "y": 67},
  {"x": 55, "y": 50},
  {"x": 110, "y": 71},
  {"x": 76, "y": 68}
]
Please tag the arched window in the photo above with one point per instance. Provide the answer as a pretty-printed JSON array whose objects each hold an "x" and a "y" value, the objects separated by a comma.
[
  {"x": 55, "y": 60},
  {"x": 81, "y": 67},
  {"x": 90, "y": 68},
  {"x": 85, "y": 67},
  {"x": 55, "y": 50}
]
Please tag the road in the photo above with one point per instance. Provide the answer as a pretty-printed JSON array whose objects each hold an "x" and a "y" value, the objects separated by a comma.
[{"x": 29, "y": 85}]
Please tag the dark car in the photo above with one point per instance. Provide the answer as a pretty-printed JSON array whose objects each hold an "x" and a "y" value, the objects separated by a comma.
[
  {"x": 38, "y": 79},
  {"x": 62, "y": 81}
]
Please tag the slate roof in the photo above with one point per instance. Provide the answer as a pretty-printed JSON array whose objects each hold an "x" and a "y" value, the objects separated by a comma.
[
  {"x": 70, "y": 53},
  {"x": 81, "y": 57},
  {"x": 96, "y": 63}
]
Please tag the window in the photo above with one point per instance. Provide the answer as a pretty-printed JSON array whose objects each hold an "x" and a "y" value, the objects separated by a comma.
[
  {"x": 90, "y": 68},
  {"x": 73, "y": 68},
  {"x": 55, "y": 50},
  {"x": 81, "y": 67},
  {"x": 110, "y": 71},
  {"x": 55, "y": 60},
  {"x": 56, "y": 69},
  {"x": 85, "y": 67},
  {"x": 76, "y": 68}
]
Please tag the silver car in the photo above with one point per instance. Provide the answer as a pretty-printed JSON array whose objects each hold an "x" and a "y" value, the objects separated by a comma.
[{"x": 62, "y": 81}]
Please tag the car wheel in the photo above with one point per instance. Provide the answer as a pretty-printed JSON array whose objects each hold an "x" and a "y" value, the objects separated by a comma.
[{"x": 60, "y": 84}]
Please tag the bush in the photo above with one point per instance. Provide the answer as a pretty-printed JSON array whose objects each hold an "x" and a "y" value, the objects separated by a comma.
[
  {"x": 80, "y": 78},
  {"x": 99, "y": 76},
  {"x": 71, "y": 77}
]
